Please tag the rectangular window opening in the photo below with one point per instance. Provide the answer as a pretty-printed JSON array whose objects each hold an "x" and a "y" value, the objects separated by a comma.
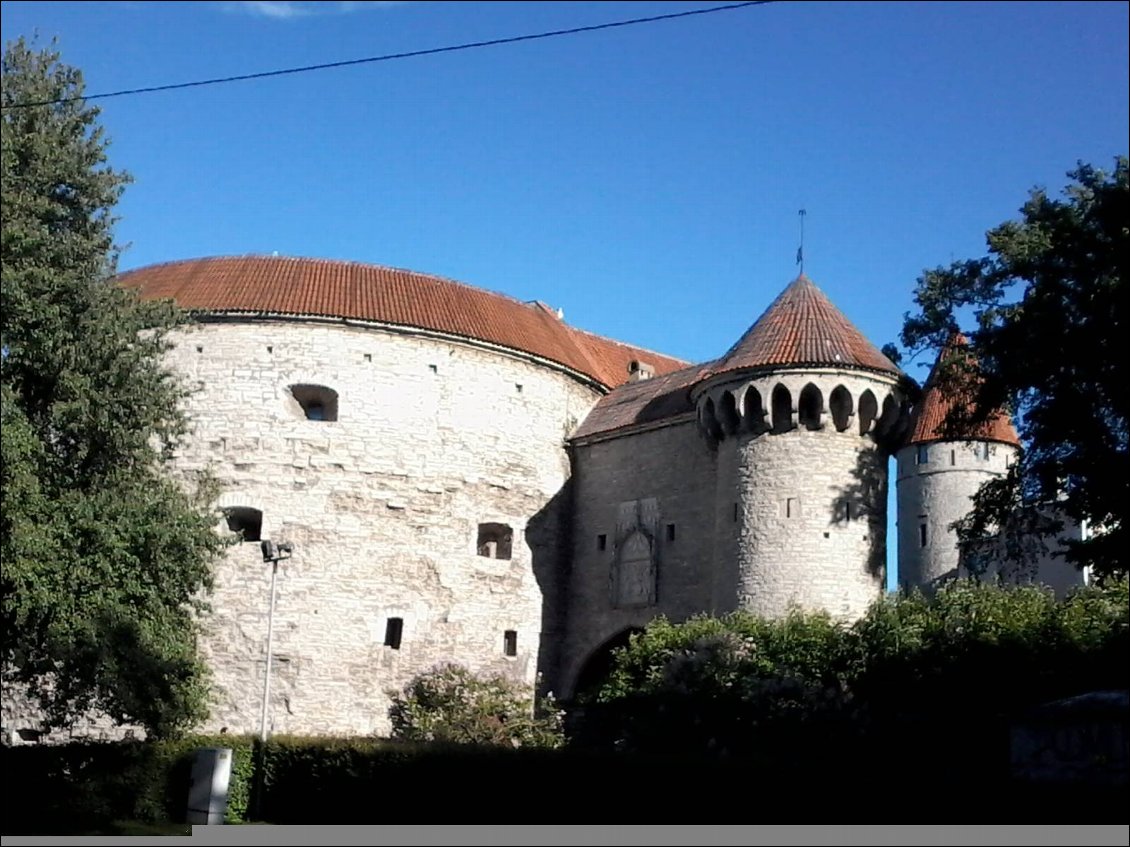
[
  {"x": 518, "y": 386},
  {"x": 953, "y": 457},
  {"x": 922, "y": 535},
  {"x": 670, "y": 532},
  {"x": 510, "y": 642},
  {"x": 922, "y": 456},
  {"x": 433, "y": 368},
  {"x": 735, "y": 513},
  {"x": 394, "y": 629},
  {"x": 792, "y": 507},
  {"x": 601, "y": 542},
  {"x": 495, "y": 540},
  {"x": 368, "y": 357}
]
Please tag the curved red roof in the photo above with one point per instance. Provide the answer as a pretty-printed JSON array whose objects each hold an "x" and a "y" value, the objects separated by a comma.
[
  {"x": 934, "y": 406},
  {"x": 276, "y": 285},
  {"x": 802, "y": 327}
]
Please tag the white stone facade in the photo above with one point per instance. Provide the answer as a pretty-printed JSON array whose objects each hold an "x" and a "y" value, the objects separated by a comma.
[{"x": 433, "y": 438}]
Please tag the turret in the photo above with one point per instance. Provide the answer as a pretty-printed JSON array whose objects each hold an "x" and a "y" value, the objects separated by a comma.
[
  {"x": 938, "y": 473},
  {"x": 801, "y": 412}
]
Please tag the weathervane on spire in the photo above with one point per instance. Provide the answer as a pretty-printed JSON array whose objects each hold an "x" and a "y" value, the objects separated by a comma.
[{"x": 800, "y": 249}]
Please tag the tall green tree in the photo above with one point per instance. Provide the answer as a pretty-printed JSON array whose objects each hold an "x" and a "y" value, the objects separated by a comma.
[
  {"x": 1047, "y": 309},
  {"x": 105, "y": 556}
]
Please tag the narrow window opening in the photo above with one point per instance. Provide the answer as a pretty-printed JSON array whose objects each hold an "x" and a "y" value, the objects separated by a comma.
[
  {"x": 199, "y": 348},
  {"x": 735, "y": 513},
  {"x": 394, "y": 629},
  {"x": 601, "y": 542},
  {"x": 495, "y": 541},
  {"x": 518, "y": 387},
  {"x": 270, "y": 349},
  {"x": 317, "y": 402},
  {"x": 670, "y": 532},
  {"x": 246, "y": 521},
  {"x": 922, "y": 456},
  {"x": 510, "y": 642},
  {"x": 922, "y": 535},
  {"x": 811, "y": 407},
  {"x": 953, "y": 457},
  {"x": 792, "y": 507}
]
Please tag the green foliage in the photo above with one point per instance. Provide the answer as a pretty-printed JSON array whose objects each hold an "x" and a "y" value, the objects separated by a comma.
[
  {"x": 1049, "y": 305},
  {"x": 105, "y": 557},
  {"x": 959, "y": 659},
  {"x": 735, "y": 685},
  {"x": 452, "y": 705},
  {"x": 83, "y": 787}
]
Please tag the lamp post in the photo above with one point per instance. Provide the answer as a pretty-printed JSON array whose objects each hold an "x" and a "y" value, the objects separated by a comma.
[{"x": 273, "y": 553}]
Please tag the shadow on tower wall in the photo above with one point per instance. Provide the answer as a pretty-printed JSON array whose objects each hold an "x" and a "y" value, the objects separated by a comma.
[{"x": 548, "y": 534}]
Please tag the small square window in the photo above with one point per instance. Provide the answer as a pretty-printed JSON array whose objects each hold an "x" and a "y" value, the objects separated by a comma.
[
  {"x": 510, "y": 642},
  {"x": 368, "y": 357},
  {"x": 495, "y": 541},
  {"x": 394, "y": 629}
]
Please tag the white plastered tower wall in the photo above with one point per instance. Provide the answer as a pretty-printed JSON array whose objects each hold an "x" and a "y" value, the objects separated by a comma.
[
  {"x": 800, "y": 501},
  {"x": 935, "y": 483}
]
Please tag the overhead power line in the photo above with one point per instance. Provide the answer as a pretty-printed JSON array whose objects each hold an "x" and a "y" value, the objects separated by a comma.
[{"x": 388, "y": 57}]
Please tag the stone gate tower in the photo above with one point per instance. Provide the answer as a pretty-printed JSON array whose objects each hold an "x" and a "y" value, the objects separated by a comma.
[
  {"x": 802, "y": 412},
  {"x": 938, "y": 474}
]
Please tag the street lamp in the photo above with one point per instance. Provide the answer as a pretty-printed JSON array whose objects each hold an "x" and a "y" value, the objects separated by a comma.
[{"x": 273, "y": 553}]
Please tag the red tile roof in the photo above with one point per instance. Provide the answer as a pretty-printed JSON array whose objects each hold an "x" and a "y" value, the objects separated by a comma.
[
  {"x": 937, "y": 399},
  {"x": 274, "y": 285},
  {"x": 802, "y": 327}
]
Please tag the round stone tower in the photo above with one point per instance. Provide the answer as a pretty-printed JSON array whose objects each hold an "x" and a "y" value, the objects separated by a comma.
[
  {"x": 801, "y": 411},
  {"x": 938, "y": 473}
]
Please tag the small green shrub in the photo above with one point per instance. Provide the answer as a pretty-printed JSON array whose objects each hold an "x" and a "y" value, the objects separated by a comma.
[{"x": 453, "y": 705}]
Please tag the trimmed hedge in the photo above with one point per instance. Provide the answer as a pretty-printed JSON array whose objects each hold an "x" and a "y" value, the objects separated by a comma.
[{"x": 82, "y": 786}]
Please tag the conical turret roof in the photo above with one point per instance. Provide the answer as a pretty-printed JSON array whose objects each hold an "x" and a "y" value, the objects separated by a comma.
[
  {"x": 934, "y": 406},
  {"x": 802, "y": 327}
]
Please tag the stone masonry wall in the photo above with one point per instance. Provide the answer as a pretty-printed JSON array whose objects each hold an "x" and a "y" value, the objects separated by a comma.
[
  {"x": 935, "y": 493},
  {"x": 672, "y": 466},
  {"x": 801, "y": 504},
  {"x": 383, "y": 506}
]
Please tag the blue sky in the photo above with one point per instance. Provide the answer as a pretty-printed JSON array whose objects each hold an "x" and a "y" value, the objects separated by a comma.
[{"x": 645, "y": 179}]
